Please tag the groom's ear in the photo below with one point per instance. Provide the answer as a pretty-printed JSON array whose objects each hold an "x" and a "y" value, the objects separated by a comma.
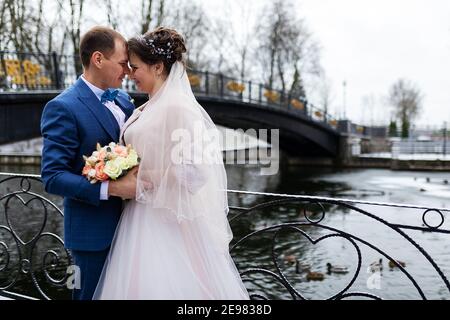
[{"x": 97, "y": 59}]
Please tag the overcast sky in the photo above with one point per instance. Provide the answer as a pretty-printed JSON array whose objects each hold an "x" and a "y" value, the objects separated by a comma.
[{"x": 370, "y": 44}]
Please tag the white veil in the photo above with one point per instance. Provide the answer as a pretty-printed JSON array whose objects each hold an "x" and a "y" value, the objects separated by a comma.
[
  {"x": 181, "y": 169},
  {"x": 172, "y": 242}
]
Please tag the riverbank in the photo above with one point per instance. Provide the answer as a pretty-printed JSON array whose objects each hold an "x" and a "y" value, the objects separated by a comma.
[
  {"x": 21, "y": 159},
  {"x": 370, "y": 162},
  {"x": 28, "y": 153}
]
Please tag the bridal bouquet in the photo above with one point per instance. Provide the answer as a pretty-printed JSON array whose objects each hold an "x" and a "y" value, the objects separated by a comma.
[{"x": 109, "y": 162}]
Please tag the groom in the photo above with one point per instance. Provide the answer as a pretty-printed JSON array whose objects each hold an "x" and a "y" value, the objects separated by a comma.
[{"x": 87, "y": 113}]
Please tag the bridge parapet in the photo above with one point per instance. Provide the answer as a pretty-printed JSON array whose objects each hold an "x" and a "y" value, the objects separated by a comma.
[
  {"x": 21, "y": 72},
  {"x": 281, "y": 246}
]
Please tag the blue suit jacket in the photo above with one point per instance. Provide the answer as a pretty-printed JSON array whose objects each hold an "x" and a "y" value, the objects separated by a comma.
[{"x": 71, "y": 125}]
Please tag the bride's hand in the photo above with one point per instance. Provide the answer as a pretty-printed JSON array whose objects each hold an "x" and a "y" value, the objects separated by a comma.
[
  {"x": 125, "y": 187},
  {"x": 145, "y": 179}
]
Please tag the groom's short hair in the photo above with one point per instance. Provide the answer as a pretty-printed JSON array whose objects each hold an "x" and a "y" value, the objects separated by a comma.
[{"x": 100, "y": 39}]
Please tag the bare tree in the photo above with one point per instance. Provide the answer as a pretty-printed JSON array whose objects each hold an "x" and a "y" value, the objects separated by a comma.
[
  {"x": 287, "y": 49},
  {"x": 190, "y": 19},
  {"x": 240, "y": 39},
  {"x": 49, "y": 34},
  {"x": 161, "y": 13},
  {"x": 112, "y": 14},
  {"x": 325, "y": 94},
  {"x": 219, "y": 33},
  {"x": 146, "y": 15},
  {"x": 28, "y": 28},
  {"x": 73, "y": 29},
  {"x": 406, "y": 99},
  {"x": 4, "y": 23},
  {"x": 19, "y": 36},
  {"x": 187, "y": 17},
  {"x": 152, "y": 14}
]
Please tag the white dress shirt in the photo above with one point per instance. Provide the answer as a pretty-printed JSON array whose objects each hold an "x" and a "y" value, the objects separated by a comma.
[{"x": 118, "y": 114}]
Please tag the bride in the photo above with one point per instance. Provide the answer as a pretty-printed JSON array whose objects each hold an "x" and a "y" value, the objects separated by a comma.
[{"x": 172, "y": 239}]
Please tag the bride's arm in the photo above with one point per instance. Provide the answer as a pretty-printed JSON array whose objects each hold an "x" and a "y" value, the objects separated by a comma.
[{"x": 190, "y": 176}]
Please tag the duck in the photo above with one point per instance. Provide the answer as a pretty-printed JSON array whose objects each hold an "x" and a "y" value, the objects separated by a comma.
[
  {"x": 393, "y": 265},
  {"x": 301, "y": 267},
  {"x": 315, "y": 276},
  {"x": 376, "y": 266},
  {"x": 290, "y": 258},
  {"x": 336, "y": 269}
]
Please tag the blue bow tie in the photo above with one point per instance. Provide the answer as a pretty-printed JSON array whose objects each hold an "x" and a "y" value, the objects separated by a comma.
[{"x": 109, "y": 95}]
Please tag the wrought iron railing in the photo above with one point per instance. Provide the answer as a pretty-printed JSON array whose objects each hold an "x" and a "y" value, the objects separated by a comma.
[
  {"x": 33, "y": 260},
  {"x": 411, "y": 147},
  {"x": 20, "y": 71},
  {"x": 269, "y": 248},
  {"x": 30, "y": 71},
  {"x": 409, "y": 150},
  {"x": 276, "y": 270}
]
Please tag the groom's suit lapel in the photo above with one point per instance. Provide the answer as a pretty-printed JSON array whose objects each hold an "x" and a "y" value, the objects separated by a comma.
[
  {"x": 100, "y": 112},
  {"x": 126, "y": 106}
]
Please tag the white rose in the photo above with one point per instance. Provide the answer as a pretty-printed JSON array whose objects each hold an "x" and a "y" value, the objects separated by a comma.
[
  {"x": 91, "y": 173},
  {"x": 112, "y": 169},
  {"x": 111, "y": 155},
  {"x": 132, "y": 159},
  {"x": 92, "y": 160},
  {"x": 122, "y": 163}
]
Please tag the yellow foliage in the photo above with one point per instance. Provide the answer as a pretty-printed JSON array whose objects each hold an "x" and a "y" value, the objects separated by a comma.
[
  {"x": 30, "y": 67},
  {"x": 235, "y": 86},
  {"x": 194, "y": 80},
  {"x": 25, "y": 73},
  {"x": 272, "y": 96},
  {"x": 12, "y": 67},
  {"x": 318, "y": 114},
  {"x": 297, "y": 104},
  {"x": 18, "y": 80},
  {"x": 44, "y": 81}
]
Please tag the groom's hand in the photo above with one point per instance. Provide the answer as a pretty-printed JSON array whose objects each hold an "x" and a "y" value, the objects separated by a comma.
[{"x": 125, "y": 187}]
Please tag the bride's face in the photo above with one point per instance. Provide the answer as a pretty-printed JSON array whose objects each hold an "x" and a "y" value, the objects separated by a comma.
[{"x": 146, "y": 77}]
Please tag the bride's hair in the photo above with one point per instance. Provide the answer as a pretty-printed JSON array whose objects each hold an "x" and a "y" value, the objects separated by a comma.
[{"x": 160, "y": 45}]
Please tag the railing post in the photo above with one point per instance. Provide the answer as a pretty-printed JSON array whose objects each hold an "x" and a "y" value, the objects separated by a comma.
[
  {"x": 3, "y": 66},
  {"x": 444, "y": 151},
  {"x": 249, "y": 91},
  {"x": 206, "y": 82},
  {"x": 221, "y": 84},
  {"x": 4, "y": 132},
  {"x": 260, "y": 93},
  {"x": 56, "y": 70}
]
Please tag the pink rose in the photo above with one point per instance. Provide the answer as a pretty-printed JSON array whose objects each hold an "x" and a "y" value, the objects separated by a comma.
[
  {"x": 86, "y": 170},
  {"x": 121, "y": 151},
  {"x": 101, "y": 155},
  {"x": 99, "y": 174}
]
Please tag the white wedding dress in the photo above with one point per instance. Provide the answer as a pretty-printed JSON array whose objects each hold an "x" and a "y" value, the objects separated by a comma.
[{"x": 172, "y": 240}]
